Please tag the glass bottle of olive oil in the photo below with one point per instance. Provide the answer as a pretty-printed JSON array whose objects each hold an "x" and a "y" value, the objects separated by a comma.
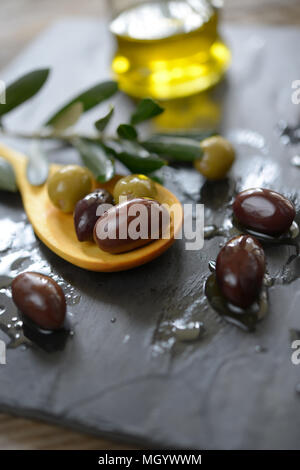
[{"x": 168, "y": 48}]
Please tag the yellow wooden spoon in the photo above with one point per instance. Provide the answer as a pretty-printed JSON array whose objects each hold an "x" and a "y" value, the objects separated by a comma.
[{"x": 56, "y": 229}]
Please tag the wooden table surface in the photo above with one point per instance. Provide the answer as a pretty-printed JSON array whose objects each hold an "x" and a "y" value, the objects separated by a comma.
[{"x": 20, "y": 22}]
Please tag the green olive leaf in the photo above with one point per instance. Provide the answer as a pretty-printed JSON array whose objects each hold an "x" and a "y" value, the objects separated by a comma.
[
  {"x": 174, "y": 148},
  {"x": 37, "y": 169},
  {"x": 68, "y": 118},
  {"x": 146, "y": 109},
  {"x": 89, "y": 98},
  {"x": 23, "y": 89},
  {"x": 134, "y": 157},
  {"x": 126, "y": 131},
  {"x": 96, "y": 158},
  {"x": 7, "y": 176},
  {"x": 103, "y": 122}
]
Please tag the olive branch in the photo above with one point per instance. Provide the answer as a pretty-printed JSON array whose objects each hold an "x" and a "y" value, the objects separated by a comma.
[{"x": 99, "y": 151}]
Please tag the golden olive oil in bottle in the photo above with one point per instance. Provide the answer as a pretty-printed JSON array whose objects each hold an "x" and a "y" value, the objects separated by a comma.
[{"x": 168, "y": 48}]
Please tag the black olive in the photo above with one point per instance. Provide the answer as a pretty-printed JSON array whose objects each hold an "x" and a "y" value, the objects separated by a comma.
[
  {"x": 87, "y": 213},
  {"x": 40, "y": 299},
  {"x": 240, "y": 268},
  {"x": 264, "y": 211}
]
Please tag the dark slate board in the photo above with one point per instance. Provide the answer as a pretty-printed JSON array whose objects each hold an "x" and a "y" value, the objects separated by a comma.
[{"x": 123, "y": 379}]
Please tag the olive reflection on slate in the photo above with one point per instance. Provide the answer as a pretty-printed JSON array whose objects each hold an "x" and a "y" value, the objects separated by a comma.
[
  {"x": 47, "y": 340},
  {"x": 243, "y": 318}
]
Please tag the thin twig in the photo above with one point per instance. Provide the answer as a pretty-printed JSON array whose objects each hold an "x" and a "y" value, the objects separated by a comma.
[{"x": 66, "y": 138}]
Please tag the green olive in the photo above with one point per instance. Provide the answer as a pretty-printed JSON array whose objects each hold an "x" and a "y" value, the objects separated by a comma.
[
  {"x": 218, "y": 157},
  {"x": 68, "y": 185},
  {"x": 134, "y": 186}
]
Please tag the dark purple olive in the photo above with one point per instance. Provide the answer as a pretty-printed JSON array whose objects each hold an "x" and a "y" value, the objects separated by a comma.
[
  {"x": 264, "y": 211},
  {"x": 240, "y": 269},
  {"x": 130, "y": 225},
  {"x": 40, "y": 299},
  {"x": 85, "y": 213}
]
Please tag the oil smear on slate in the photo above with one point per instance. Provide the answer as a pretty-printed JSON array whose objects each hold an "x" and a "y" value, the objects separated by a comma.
[
  {"x": 179, "y": 326},
  {"x": 290, "y": 135},
  {"x": 20, "y": 251}
]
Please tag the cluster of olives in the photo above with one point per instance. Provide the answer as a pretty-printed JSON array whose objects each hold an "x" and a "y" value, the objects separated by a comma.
[
  {"x": 40, "y": 300},
  {"x": 240, "y": 265},
  {"x": 70, "y": 190}
]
